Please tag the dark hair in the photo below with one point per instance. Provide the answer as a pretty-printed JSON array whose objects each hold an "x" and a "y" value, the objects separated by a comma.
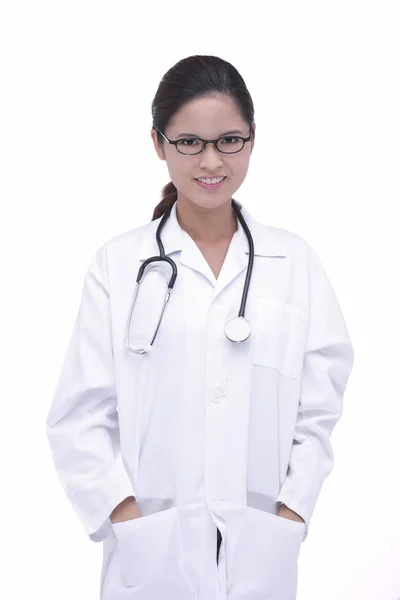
[{"x": 195, "y": 77}]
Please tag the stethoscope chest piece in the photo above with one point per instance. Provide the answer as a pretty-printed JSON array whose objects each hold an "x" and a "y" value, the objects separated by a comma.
[{"x": 237, "y": 329}]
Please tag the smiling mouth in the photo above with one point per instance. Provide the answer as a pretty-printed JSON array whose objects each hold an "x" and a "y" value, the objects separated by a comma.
[{"x": 211, "y": 181}]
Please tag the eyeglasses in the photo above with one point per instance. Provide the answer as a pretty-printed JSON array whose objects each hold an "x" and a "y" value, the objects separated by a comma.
[{"x": 227, "y": 145}]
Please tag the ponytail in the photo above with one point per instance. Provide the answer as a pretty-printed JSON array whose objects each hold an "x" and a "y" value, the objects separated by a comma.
[{"x": 169, "y": 196}]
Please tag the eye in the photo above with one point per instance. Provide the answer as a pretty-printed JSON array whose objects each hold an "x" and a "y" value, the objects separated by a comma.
[
  {"x": 232, "y": 139},
  {"x": 182, "y": 142}
]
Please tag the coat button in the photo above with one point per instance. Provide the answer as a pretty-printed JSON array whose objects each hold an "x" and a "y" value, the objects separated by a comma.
[
  {"x": 218, "y": 396},
  {"x": 214, "y": 500}
]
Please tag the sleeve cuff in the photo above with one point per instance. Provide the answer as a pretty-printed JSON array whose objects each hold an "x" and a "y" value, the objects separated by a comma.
[{"x": 95, "y": 501}]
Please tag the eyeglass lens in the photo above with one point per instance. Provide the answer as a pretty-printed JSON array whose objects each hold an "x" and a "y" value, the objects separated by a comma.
[{"x": 227, "y": 145}]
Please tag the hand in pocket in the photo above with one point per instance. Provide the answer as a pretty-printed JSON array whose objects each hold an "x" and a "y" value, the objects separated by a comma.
[{"x": 126, "y": 511}]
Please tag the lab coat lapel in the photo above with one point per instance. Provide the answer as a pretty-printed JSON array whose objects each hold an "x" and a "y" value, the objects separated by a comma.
[
  {"x": 265, "y": 243},
  {"x": 171, "y": 237},
  {"x": 235, "y": 260},
  {"x": 175, "y": 239}
]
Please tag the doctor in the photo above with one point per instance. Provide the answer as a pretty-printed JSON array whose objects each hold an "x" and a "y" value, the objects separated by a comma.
[{"x": 195, "y": 447}]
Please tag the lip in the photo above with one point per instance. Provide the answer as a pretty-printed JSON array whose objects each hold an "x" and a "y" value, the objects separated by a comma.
[
  {"x": 210, "y": 187},
  {"x": 209, "y": 176}
]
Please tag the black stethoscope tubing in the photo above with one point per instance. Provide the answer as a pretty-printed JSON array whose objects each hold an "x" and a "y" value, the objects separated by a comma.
[
  {"x": 162, "y": 256},
  {"x": 237, "y": 329}
]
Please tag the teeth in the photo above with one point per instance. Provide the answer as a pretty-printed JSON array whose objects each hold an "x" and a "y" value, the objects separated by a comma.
[{"x": 211, "y": 181}]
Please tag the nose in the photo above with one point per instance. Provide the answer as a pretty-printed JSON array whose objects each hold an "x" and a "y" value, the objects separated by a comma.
[{"x": 210, "y": 157}]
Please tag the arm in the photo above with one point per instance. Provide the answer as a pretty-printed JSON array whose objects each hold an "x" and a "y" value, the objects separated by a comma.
[
  {"x": 126, "y": 510},
  {"x": 82, "y": 424},
  {"x": 327, "y": 365},
  {"x": 287, "y": 513}
]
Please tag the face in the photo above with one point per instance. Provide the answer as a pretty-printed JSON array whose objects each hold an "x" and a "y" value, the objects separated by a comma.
[{"x": 209, "y": 119}]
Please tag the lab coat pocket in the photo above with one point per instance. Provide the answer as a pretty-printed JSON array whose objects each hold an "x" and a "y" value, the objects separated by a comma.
[
  {"x": 151, "y": 558},
  {"x": 265, "y": 562},
  {"x": 281, "y": 336}
]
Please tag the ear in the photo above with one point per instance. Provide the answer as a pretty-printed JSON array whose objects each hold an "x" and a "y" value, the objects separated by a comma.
[
  {"x": 253, "y": 137},
  {"x": 157, "y": 145}
]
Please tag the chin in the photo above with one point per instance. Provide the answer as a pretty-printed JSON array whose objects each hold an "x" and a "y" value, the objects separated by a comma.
[{"x": 209, "y": 202}]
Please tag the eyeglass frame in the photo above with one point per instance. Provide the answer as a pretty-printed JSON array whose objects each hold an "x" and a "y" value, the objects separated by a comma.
[{"x": 175, "y": 142}]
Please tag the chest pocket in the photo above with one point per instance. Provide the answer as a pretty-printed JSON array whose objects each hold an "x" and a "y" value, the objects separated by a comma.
[{"x": 281, "y": 336}]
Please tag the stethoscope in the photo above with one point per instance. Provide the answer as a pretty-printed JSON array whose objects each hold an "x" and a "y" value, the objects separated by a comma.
[{"x": 237, "y": 329}]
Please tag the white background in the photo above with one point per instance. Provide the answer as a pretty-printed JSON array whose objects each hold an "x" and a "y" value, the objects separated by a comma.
[{"x": 78, "y": 167}]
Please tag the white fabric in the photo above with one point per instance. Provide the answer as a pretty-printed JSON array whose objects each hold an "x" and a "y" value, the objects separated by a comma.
[{"x": 204, "y": 432}]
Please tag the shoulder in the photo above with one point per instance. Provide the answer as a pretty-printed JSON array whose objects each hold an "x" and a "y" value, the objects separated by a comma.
[
  {"x": 126, "y": 238},
  {"x": 114, "y": 251},
  {"x": 125, "y": 243},
  {"x": 280, "y": 240},
  {"x": 293, "y": 246}
]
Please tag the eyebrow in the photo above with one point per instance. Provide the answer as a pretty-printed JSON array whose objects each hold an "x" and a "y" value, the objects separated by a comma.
[{"x": 222, "y": 134}]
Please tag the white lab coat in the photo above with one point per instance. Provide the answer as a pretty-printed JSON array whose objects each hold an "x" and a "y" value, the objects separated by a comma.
[{"x": 202, "y": 431}]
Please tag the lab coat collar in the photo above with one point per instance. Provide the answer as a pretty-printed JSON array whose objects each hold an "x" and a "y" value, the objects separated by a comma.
[
  {"x": 175, "y": 239},
  {"x": 266, "y": 242}
]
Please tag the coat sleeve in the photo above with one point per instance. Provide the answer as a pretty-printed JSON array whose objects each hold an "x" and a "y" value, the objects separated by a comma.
[
  {"x": 82, "y": 424},
  {"x": 328, "y": 361}
]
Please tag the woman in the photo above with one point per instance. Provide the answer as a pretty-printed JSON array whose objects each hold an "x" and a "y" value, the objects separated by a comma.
[{"x": 212, "y": 430}]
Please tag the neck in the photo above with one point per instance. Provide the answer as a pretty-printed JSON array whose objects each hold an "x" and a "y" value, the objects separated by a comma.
[{"x": 207, "y": 225}]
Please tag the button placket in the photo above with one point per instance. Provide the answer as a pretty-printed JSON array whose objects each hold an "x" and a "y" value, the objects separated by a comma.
[{"x": 218, "y": 301}]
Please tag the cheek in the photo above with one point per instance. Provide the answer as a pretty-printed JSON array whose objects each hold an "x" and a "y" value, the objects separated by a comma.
[
  {"x": 239, "y": 170},
  {"x": 178, "y": 170}
]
